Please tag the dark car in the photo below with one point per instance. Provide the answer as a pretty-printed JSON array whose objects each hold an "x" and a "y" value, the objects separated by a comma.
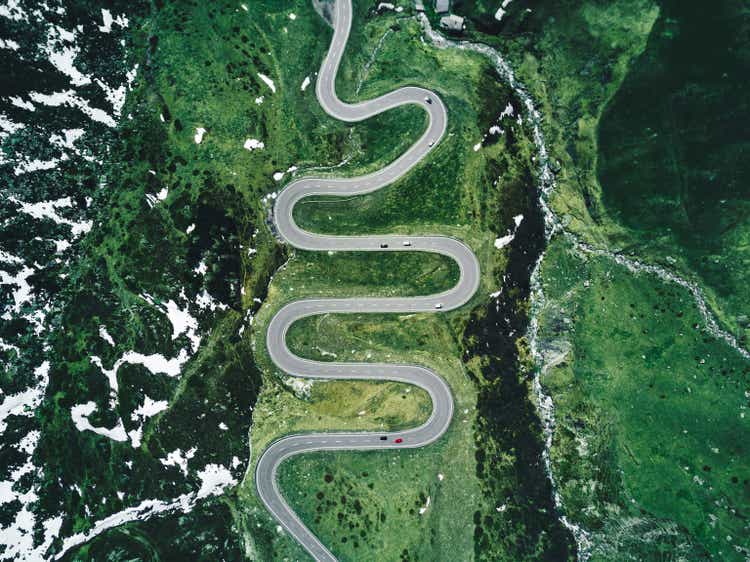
[
  {"x": 383, "y": 438},
  {"x": 384, "y": 245}
]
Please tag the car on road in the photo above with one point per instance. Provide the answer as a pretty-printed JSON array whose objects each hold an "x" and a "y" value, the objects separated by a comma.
[
  {"x": 399, "y": 440},
  {"x": 432, "y": 143},
  {"x": 439, "y": 305},
  {"x": 384, "y": 245},
  {"x": 407, "y": 243},
  {"x": 383, "y": 438},
  {"x": 428, "y": 100}
]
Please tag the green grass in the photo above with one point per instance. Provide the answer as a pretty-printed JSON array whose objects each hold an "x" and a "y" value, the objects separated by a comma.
[
  {"x": 639, "y": 414},
  {"x": 651, "y": 411},
  {"x": 631, "y": 437},
  {"x": 210, "y": 81},
  {"x": 350, "y": 405},
  {"x": 383, "y": 489},
  {"x": 371, "y": 508},
  {"x": 457, "y": 191},
  {"x": 200, "y": 65},
  {"x": 674, "y": 172},
  {"x": 368, "y": 273}
]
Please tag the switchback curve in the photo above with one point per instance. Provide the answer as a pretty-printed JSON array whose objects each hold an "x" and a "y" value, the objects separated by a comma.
[{"x": 435, "y": 386}]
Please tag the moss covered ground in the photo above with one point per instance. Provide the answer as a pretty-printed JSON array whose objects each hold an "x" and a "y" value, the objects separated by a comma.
[
  {"x": 648, "y": 452},
  {"x": 684, "y": 157},
  {"x": 205, "y": 236},
  {"x": 469, "y": 193},
  {"x": 392, "y": 524},
  {"x": 652, "y": 413},
  {"x": 650, "y": 406}
]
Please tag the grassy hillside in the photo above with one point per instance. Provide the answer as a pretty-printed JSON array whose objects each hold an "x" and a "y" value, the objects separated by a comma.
[
  {"x": 471, "y": 187},
  {"x": 650, "y": 407}
]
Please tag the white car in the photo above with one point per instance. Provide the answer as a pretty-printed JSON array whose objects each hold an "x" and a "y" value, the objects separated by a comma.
[
  {"x": 428, "y": 99},
  {"x": 432, "y": 143},
  {"x": 407, "y": 243},
  {"x": 439, "y": 305}
]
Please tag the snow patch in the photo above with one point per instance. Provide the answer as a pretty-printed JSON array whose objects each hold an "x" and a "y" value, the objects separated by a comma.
[
  {"x": 253, "y": 144},
  {"x": 505, "y": 240},
  {"x": 105, "y": 335},
  {"x": 179, "y": 459},
  {"x": 509, "y": 111},
  {"x": 26, "y": 402},
  {"x": 181, "y": 320},
  {"x": 155, "y": 364},
  {"x": 61, "y": 51},
  {"x": 300, "y": 387},
  {"x": 423, "y": 510},
  {"x": 80, "y": 414},
  {"x": 268, "y": 82},
  {"x": 8, "y": 127},
  {"x": 107, "y": 20},
  {"x": 9, "y": 44},
  {"x": 69, "y": 98},
  {"x": 149, "y": 408},
  {"x": 214, "y": 478},
  {"x": 12, "y": 10},
  {"x": 501, "y": 10},
  {"x": 206, "y": 301}
]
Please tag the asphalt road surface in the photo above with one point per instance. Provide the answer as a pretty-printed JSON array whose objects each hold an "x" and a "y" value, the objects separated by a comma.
[{"x": 442, "y": 400}]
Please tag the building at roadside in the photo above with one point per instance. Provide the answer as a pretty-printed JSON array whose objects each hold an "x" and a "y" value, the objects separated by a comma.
[
  {"x": 442, "y": 6},
  {"x": 452, "y": 22}
]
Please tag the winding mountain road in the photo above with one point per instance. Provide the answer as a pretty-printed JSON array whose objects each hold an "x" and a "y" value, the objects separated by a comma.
[{"x": 438, "y": 390}]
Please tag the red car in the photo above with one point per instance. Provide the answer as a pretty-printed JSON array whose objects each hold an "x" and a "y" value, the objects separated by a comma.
[{"x": 399, "y": 440}]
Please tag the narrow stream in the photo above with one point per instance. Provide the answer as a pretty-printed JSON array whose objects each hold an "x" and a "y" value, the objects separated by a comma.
[{"x": 554, "y": 226}]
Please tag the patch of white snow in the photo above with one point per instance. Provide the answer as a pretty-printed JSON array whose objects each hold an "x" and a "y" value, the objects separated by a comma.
[
  {"x": 80, "y": 414},
  {"x": 268, "y": 82},
  {"x": 179, "y": 459},
  {"x": 253, "y": 144},
  {"x": 105, "y": 335}
]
